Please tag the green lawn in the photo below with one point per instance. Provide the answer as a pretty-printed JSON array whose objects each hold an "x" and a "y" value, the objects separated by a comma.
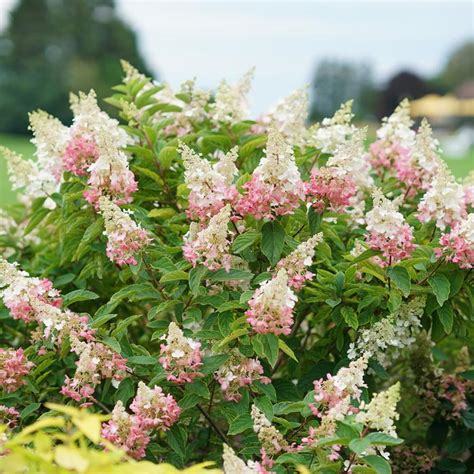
[{"x": 21, "y": 144}]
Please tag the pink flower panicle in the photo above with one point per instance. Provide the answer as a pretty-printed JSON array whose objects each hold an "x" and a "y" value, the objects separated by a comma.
[
  {"x": 155, "y": 409},
  {"x": 458, "y": 245},
  {"x": 14, "y": 366},
  {"x": 210, "y": 246},
  {"x": 180, "y": 356},
  {"x": 125, "y": 238},
  {"x": 96, "y": 362},
  {"x": 388, "y": 231},
  {"x": 152, "y": 410},
  {"x": 275, "y": 188},
  {"x": 79, "y": 154},
  {"x": 330, "y": 187},
  {"x": 271, "y": 307},
  {"x": 239, "y": 371},
  {"x": 126, "y": 432},
  {"x": 9, "y": 416},
  {"x": 298, "y": 261}
]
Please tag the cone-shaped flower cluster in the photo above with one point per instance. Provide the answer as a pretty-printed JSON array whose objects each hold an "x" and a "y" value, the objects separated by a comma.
[
  {"x": 13, "y": 367},
  {"x": 125, "y": 238},
  {"x": 180, "y": 356},
  {"x": 271, "y": 306}
]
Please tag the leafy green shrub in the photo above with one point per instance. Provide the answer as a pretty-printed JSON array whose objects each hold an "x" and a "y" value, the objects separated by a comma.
[{"x": 234, "y": 290}]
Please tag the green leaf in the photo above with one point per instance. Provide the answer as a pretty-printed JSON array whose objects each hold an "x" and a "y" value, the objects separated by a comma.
[
  {"x": 244, "y": 241},
  {"x": 212, "y": 363},
  {"x": 468, "y": 374},
  {"x": 195, "y": 277},
  {"x": 232, "y": 274},
  {"x": 175, "y": 275},
  {"x": 383, "y": 439},
  {"x": 112, "y": 343},
  {"x": 401, "y": 278},
  {"x": 167, "y": 155},
  {"x": 314, "y": 220},
  {"x": 378, "y": 463},
  {"x": 142, "y": 360},
  {"x": 240, "y": 424},
  {"x": 28, "y": 410},
  {"x": 235, "y": 334},
  {"x": 273, "y": 239},
  {"x": 441, "y": 287},
  {"x": 359, "y": 445},
  {"x": 266, "y": 345},
  {"x": 286, "y": 349},
  {"x": 446, "y": 316},
  {"x": 350, "y": 317},
  {"x": 79, "y": 295}
]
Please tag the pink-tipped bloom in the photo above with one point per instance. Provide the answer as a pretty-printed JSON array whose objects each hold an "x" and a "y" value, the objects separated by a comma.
[
  {"x": 388, "y": 231},
  {"x": 125, "y": 238},
  {"x": 275, "y": 188},
  {"x": 296, "y": 264},
  {"x": 271, "y": 307},
  {"x": 331, "y": 188},
  {"x": 9, "y": 416},
  {"x": 126, "y": 432},
  {"x": 14, "y": 366},
  {"x": 239, "y": 371},
  {"x": 155, "y": 409},
  {"x": 210, "y": 246},
  {"x": 96, "y": 362},
  {"x": 458, "y": 245},
  {"x": 180, "y": 356},
  {"x": 79, "y": 154}
]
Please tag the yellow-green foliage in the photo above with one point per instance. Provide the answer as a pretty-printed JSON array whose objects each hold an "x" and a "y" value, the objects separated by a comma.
[{"x": 67, "y": 440}]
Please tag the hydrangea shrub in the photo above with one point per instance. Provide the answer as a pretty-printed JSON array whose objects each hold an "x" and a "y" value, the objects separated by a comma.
[{"x": 261, "y": 294}]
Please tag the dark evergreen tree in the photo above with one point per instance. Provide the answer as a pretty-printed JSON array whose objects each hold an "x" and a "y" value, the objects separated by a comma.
[{"x": 52, "y": 47}]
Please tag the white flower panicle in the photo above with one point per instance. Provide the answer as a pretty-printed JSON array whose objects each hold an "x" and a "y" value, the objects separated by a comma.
[
  {"x": 444, "y": 201},
  {"x": 296, "y": 263},
  {"x": 426, "y": 152},
  {"x": 232, "y": 464},
  {"x": 381, "y": 412},
  {"x": 384, "y": 218},
  {"x": 278, "y": 166},
  {"x": 350, "y": 156},
  {"x": 384, "y": 339},
  {"x": 333, "y": 132},
  {"x": 271, "y": 439},
  {"x": 231, "y": 103},
  {"x": 396, "y": 129},
  {"x": 350, "y": 380},
  {"x": 22, "y": 173},
  {"x": 50, "y": 139},
  {"x": 210, "y": 246},
  {"x": 289, "y": 116}
]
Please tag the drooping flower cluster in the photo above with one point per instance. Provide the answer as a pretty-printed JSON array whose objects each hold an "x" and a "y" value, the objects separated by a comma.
[
  {"x": 330, "y": 188},
  {"x": 444, "y": 200},
  {"x": 276, "y": 187},
  {"x": 271, "y": 306},
  {"x": 22, "y": 293},
  {"x": 180, "y": 356},
  {"x": 34, "y": 300},
  {"x": 14, "y": 366},
  {"x": 210, "y": 246},
  {"x": 299, "y": 260},
  {"x": 388, "y": 231},
  {"x": 288, "y": 117},
  {"x": 381, "y": 412},
  {"x": 96, "y": 362},
  {"x": 395, "y": 139},
  {"x": 333, "y": 132},
  {"x": 237, "y": 372},
  {"x": 457, "y": 246},
  {"x": 210, "y": 185},
  {"x": 384, "y": 339},
  {"x": 231, "y": 103},
  {"x": 125, "y": 238}
]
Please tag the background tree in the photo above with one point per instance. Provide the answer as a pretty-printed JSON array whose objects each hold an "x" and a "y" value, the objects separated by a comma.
[
  {"x": 459, "y": 68},
  {"x": 337, "y": 81},
  {"x": 52, "y": 47}
]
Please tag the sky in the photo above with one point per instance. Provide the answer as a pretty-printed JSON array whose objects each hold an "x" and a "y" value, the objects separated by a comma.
[{"x": 285, "y": 40}]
